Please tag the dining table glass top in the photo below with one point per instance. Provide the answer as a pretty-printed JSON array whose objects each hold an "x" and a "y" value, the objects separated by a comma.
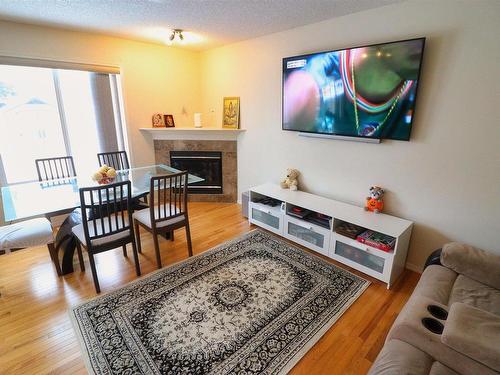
[{"x": 24, "y": 200}]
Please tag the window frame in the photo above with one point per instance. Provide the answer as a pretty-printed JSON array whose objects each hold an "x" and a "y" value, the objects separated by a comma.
[{"x": 114, "y": 73}]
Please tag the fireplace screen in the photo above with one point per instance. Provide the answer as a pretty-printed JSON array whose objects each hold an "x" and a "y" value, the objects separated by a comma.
[{"x": 204, "y": 164}]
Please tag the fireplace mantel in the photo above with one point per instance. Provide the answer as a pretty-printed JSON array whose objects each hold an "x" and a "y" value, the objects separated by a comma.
[{"x": 202, "y": 134}]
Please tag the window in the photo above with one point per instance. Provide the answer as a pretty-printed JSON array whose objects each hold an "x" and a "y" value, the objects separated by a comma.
[{"x": 56, "y": 112}]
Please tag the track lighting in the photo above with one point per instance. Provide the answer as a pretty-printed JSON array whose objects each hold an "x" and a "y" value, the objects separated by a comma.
[{"x": 176, "y": 34}]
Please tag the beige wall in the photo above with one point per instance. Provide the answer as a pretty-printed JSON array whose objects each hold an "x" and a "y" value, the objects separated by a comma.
[
  {"x": 446, "y": 179},
  {"x": 154, "y": 78}
]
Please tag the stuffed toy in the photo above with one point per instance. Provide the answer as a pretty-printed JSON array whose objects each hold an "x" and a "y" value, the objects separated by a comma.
[
  {"x": 291, "y": 180},
  {"x": 374, "y": 202}
]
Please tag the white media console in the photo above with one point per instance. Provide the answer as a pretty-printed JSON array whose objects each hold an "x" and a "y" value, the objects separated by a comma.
[{"x": 385, "y": 266}]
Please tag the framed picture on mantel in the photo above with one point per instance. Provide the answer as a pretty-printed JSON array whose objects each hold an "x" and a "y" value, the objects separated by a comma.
[
  {"x": 231, "y": 112},
  {"x": 158, "y": 121},
  {"x": 169, "y": 121}
]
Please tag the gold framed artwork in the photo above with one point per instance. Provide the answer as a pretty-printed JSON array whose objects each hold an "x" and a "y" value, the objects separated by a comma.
[{"x": 231, "y": 112}]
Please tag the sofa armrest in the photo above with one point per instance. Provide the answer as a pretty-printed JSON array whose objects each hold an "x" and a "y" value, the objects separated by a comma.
[
  {"x": 472, "y": 262},
  {"x": 474, "y": 333},
  {"x": 410, "y": 328}
]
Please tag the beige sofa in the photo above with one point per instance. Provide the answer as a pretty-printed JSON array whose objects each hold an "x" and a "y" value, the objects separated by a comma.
[{"x": 451, "y": 323}]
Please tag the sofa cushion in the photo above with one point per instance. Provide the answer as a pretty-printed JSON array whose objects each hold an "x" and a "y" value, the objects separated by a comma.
[
  {"x": 408, "y": 327},
  {"x": 436, "y": 284},
  {"x": 475, "y": 333},
  {"x": 475, "y": 263},
  {"x": 439, "y": 369},
  {"x": 475, "y": 294},
  {"x": 400, "y": 358}
]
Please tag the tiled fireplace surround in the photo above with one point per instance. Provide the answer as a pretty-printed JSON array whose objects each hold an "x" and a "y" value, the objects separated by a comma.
[{"x": 229, "y": 164}]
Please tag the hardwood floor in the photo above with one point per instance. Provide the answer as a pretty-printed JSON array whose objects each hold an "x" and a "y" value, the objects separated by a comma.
[{"x": 36, "y": 336}]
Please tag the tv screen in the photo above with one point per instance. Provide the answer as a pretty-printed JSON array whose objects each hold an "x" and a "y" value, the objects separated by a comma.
[{"x": 359, "y": 92}]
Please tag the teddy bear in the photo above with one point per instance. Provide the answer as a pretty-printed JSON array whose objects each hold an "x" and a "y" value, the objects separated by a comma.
[
  {"x": 374, "y": 202},
  {"x": 291, "y": 180}
]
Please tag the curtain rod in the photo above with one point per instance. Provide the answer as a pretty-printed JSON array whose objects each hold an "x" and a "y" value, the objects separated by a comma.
[{"x": 56, "y": 64}]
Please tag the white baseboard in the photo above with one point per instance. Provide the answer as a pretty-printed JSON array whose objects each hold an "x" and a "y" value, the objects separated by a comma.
[{"x": 414, "y": 268}]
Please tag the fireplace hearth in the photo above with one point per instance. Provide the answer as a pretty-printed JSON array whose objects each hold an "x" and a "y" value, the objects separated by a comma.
[{"x": 204, "y": 164}]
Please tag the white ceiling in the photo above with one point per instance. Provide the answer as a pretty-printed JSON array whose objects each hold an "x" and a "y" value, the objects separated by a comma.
[{"x": 211, "y": 22}]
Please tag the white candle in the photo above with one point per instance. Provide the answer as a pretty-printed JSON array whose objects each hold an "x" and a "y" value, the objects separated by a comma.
[{"x": 197, "y": 120}]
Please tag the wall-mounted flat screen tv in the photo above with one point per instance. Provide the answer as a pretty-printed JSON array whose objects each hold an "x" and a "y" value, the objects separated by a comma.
[{"x": 358, "y": 92}]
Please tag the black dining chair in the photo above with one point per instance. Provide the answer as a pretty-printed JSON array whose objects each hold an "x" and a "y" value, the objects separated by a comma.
[
  {"x": 119, "y": 160},
  {"x": 167, "y": 210},
  {"x": 115, "y": 159},
  {"x": 106, "y": 223},
  {"x": 55, "y": 168}
]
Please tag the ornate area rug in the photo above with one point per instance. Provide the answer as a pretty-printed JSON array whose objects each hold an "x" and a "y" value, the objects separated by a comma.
[{"x": 253, "y": 305}]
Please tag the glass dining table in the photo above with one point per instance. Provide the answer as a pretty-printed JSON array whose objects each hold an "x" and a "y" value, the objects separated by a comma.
[{"x": 54, "y": 197}]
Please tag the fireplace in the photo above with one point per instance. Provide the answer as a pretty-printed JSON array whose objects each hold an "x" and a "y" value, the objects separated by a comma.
[
  {"x": 204, "y": 164},
  {"x": 228, "y": 149}
]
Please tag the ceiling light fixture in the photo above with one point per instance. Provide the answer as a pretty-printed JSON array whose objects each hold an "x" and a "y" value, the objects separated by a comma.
[{"x": 176, "y": 34}]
